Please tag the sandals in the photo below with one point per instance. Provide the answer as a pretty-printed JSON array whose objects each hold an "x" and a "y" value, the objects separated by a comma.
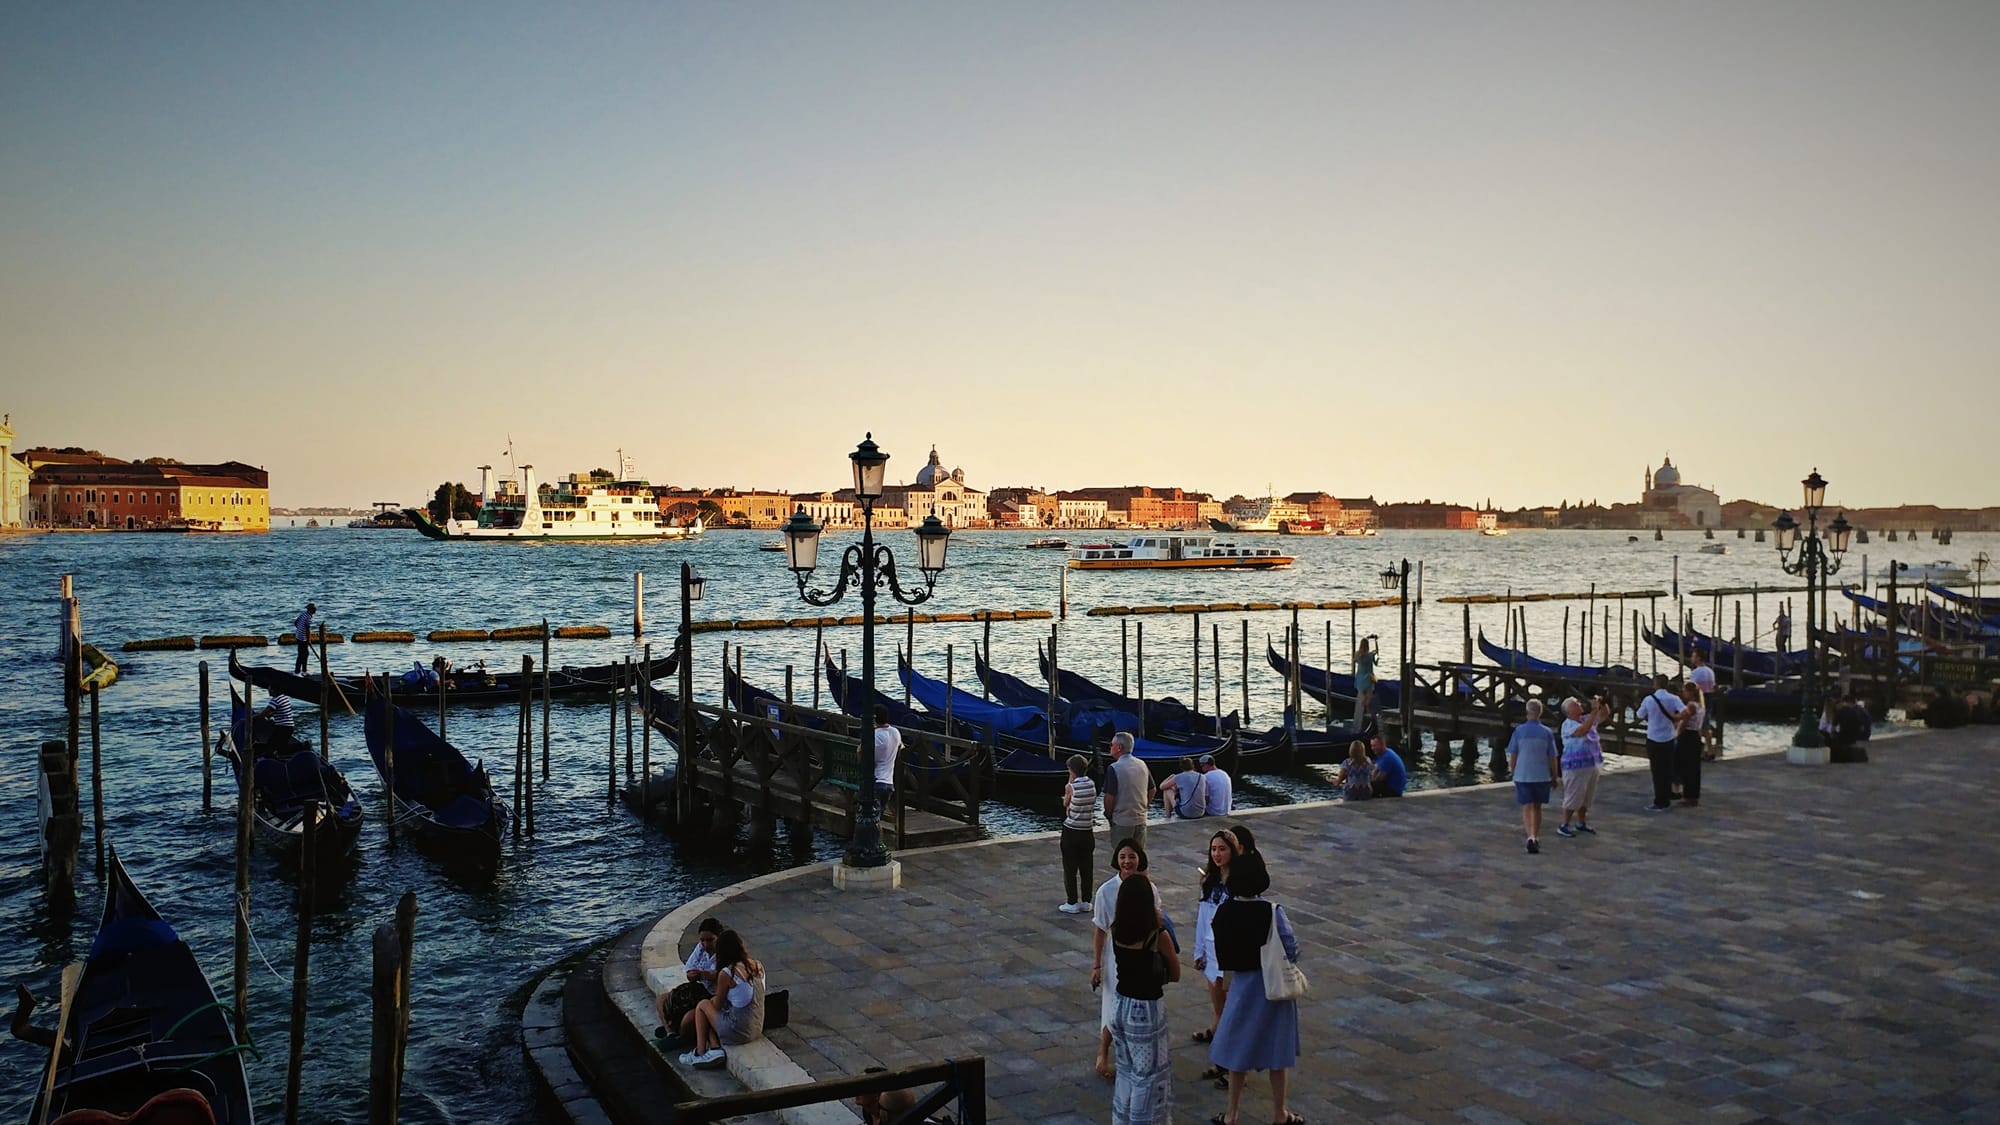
[
  {"x": 1204, "y": 1036},
  {"x": 1291, "y": 1119}
]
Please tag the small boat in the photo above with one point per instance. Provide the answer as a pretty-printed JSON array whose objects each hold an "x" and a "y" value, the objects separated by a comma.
[
  {"x": 140, "y": 1028},
  {"x": 1493, "y": 532},
  {"x": 439, "y": 796},
  {"x": 1519, "y": 661},
  {"x": 1177, "y": 552},
  {"x": 474, "y": 683},
  {"x": 1715, "y": 548},
  {"x": 1758, "y": 664},
  {"x": 1489, "y": 524},
  {"x": 772, "y": 545},
  {"x": 1048, "y": 543},
  {"x": 1303, "y": 527},
  {"x": 1356, "y": 532},
  {"x": 1631, "y": 539},
  {"x": 288, "y": 775},
  {"x": 1917, "y": 574}
]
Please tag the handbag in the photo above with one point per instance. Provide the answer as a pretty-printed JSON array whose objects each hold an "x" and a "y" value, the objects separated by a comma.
[{"x": 1283, "y": 979}]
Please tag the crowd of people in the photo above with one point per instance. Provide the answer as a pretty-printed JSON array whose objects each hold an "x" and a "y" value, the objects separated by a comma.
[{"x": 1241, "y": 938}]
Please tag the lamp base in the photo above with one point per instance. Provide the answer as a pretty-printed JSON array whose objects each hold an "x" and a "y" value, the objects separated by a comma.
[
  {"x": 1808, "y": 755},
  {"x": 887, "y": 877}
]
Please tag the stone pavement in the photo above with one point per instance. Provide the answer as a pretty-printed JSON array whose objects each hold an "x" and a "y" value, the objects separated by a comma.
[{"x": 1811, "y": 942}]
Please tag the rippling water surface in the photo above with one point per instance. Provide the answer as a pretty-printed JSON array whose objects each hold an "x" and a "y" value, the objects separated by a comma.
[{"x": 593, "y": 871}]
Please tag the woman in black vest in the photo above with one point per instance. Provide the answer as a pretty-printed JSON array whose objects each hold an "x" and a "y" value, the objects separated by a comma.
[
  {"x": 1254, "y": 1033},
  {"x": 1147, "y": 962}
]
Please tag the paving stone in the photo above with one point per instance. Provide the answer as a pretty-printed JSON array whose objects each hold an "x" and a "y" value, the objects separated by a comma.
[{"x": 1791, "y": 951}]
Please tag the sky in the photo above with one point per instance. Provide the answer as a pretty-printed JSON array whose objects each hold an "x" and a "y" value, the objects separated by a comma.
[{"x": 1455, "y": 251}]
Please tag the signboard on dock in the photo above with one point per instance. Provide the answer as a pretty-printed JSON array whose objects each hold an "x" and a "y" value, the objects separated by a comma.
[{"x": 1960, "y": 674}]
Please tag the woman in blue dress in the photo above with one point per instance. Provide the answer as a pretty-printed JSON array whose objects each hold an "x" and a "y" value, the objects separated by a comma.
[{"x": 1254, "y": 1033}]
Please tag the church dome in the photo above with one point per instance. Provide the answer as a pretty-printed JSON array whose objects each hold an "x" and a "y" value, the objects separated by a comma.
[
  {"x": 1668, "y": 476},
  {"x": 933, "y": 473}
]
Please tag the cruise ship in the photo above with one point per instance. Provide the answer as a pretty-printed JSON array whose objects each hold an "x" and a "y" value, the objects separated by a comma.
[
  {"x": 578, "y": 508},
  {"x": 1176, "y": 552}
]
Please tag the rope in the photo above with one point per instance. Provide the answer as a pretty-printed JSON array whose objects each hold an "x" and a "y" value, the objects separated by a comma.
[{"x": 242, "y": 909}]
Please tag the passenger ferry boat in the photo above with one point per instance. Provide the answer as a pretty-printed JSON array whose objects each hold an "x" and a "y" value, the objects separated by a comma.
[
  {"x": 1176, "y": 552},
  {"x": 578, "y": 508},
  {"x": 1489, "y": 524}
]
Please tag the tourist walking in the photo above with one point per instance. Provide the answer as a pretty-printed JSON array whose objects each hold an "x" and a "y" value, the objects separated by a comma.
[
  {"x": 1660, "y": 710},
  {"x": 1185, "y": 794},
  {"x": 1534, "y": 761},
  {"x": 1687, "y": 745},
  {"x": 302, "y": 626},
  {"x": 1221, "y": 791},
  {"x": 1364, "y": 680},
  {"x": 1582, "y": 759},
  {"x": 1255, "y": 1032},
  {"x": 1147, "y": 962},
  {"x": 1222, "y": 850},
  {"x": 888, "y": 743},
  {"x": 1128, "y": 858},
  {"x": 1079, "y": 838},
  {"x": 1128, "y": 790},
  {"x": 735, "y": 1014},
  {"x": 1392, "y": 777},
  {"x": 1357, "y": 775}
]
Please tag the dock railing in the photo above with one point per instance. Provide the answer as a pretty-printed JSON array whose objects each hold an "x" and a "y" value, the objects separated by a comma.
[{"x": 1475, "y": 700}]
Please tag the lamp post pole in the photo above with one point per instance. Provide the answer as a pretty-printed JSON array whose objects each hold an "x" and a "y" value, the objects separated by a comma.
[
  {"x": 872, "y": 567},
  {"x": 1819, "y": 559},
  {"x": 691, "y": 590}
]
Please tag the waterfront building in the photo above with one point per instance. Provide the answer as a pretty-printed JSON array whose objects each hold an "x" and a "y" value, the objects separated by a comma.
[
  {"x": 1666, "y": 502},
  {"x": 1357, "y": 513},
  {"x": 937, "y": 492},
  {"x": 1080, "y": 511},
  {"x": 1427, "y": 515},
  {"x": 1016, "y": 506},
  {"x": 14, "y": 474},
  {"x": 1139, "y": 505},
  {"x": 91, "y": 490},
  {"x": 826, "y": 509}
]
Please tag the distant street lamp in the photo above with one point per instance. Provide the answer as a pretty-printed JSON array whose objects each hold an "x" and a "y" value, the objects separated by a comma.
[
  {"x": 1819, "y": 558},
  {"x": 870, "y": 567},
  {"x": 1397, "y": 578}
]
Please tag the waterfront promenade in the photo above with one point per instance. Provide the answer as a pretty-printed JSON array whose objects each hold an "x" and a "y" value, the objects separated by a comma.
[{"x": 1811, "y": 942}]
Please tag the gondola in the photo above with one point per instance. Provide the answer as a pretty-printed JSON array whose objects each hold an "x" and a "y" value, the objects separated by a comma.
[
  {"x": 1080, "y": 728},
  {"x": 1758, "y": 664},
  {"x": 289, "y": 774},
  {"x": 1162, "y": 716},
  {"x": 747, "y": 697},
  {"x": 439, "y": 796},
  {"x": 142, "y": 1028},
  {"x": 1336, "y": 689},
  {"x": 1982, "y": 606},
  {"x": 1517, "y": 660},
  {"x": 1932, "y": 622},
  {"x": 474, "y": 684}
]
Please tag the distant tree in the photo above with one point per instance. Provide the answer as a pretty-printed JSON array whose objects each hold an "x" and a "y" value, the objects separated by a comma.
[
  {"x": 710, "y": 512},
  {"x": 162, "y": 461},
  {"x": 452, "y": 501},
  {"x": 602, "y": 475}
]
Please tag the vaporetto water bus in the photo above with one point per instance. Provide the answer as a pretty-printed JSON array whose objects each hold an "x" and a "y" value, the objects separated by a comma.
[
  {"x": 581, "y": 507},
  {"x": 1176, "y": 552}
]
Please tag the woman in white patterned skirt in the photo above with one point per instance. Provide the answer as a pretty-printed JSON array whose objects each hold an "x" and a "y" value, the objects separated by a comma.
[{"x": 1147, "y": 962}]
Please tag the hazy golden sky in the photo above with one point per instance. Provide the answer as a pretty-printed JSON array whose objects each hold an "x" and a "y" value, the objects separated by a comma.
[{"x": 1455, "y": 251}]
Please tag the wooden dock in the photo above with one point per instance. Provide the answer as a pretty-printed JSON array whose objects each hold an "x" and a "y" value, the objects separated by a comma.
[{"x": 793, "y": 763}]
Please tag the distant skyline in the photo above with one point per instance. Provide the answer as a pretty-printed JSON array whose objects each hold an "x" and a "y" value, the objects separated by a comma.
[{"x": 1444, "y": 250}]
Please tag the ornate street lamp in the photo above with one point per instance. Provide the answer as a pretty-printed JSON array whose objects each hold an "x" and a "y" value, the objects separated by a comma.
[
  {"x": 1397, "y": 578},
  {"x": 693, "y": 586},
  {"x": 1819, "y": 558},
  {"x": 869, "y": 567}
]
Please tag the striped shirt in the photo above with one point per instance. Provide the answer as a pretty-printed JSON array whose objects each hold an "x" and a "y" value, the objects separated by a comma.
[
  {"x": 281, "y": 712},
  {"x": 1082, "y": 810}
]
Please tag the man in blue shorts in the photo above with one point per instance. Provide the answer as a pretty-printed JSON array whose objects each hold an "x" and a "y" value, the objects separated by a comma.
[{"x": 1534, "y": 759}]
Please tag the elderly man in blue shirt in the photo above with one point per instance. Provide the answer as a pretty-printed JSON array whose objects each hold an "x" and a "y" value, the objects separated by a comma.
[{"x": 1534, "y": 759}]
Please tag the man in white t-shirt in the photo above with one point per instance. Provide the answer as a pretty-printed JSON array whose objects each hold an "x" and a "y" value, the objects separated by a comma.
[
  {"x": 1660, "y": 709},
  {"x": 1220, "y": 791},
  {"x": 888, "y": 742},
  {"x": 1703, "y": 677}
]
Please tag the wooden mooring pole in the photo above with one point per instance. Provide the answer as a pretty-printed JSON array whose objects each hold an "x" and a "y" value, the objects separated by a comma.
[
  {"x": 96, "y": 782},
  {"x": 325, "y": 697},
  {"x": 632, "y": 689},
  {"x": 246, "y": 799},
  {"x": 208, "y": 751},
  {"x": 611, "y": 749},
  {"x": 638, "y": 604},
  {"x": 646, "y": 729},
  {"x": 521, "y": 744},
  {"x": 1215, "y": 661},
  {"x": 295, "y": 1060},
  {"x": 1245, "y": 680},
  {"x": 1139, "y": 666},
  {"x": 1195, "y": 704},
  {"x": 1124, "y": 658},
  {"x": 545, "y": 699}
]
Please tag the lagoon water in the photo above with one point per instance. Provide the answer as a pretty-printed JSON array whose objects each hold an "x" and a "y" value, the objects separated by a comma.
[{"x": 593, "y": 870}]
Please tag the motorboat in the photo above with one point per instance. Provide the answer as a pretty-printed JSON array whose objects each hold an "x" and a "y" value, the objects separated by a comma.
[{"x": 1942, "y": 571}]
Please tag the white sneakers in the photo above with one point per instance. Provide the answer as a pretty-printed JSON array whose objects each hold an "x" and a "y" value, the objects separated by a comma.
[
  {"x": 1072, "y": 908},
  {"x": 711, "y": 1057}
]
